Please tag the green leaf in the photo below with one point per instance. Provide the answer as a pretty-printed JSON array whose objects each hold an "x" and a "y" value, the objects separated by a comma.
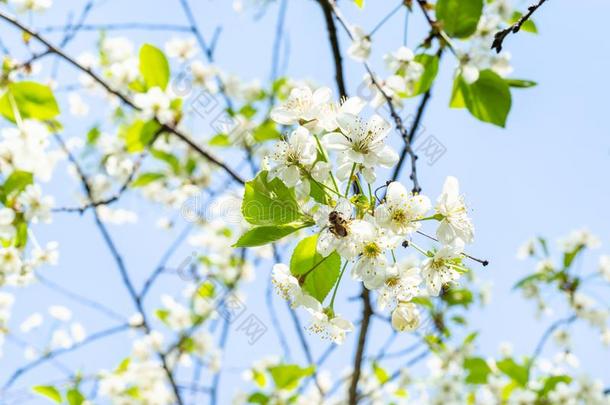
[
  {"x": 287, "y": 376},
  {"x": 520, "y": 84},
  {"x": 17, "y": 182},
  {"x": 430, "y": 64},
  {"x": 74, "y": 397},
  {"x": 93, "y": 135},
  {"x": 528, "y": 26},
  {"x": 168, "y": 158},
  {"x": 478, "y": 370},
  {"x": 48, "y": 391},
  {"x": 381, "y": 374},
  {"x": 568, "y": 258},
  {"x": 32, "y": 100},
  {"x": 21, "y": 239},
  {"x": 266, "y": 131},
  {"x": 551, "y": 382},
  {"x": 457, "y": 98},
  {"x": 455, "y": 297},
  {"x": 154, "y": 67},
  {"x": 258, "y": 398},
  {"x": 459, "y": 17},
  {"x": 140, "y": 134},
  {"x": 220, "y": 140},
  {"x": 321, "y": 272},
  {"x": 146, "y": 178},
  {"x": 269, "y": 202},
  {"x": 488, "y": 99},
  {"x": 532, "y": 278},
  {"x": 516, "y": 372},
  {"x": 262, "y": 235}
]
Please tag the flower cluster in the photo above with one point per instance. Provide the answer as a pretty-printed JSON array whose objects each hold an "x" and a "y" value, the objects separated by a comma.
[
  {"x": 327, "y": 158},
  {"x": 563, "y": 277}
]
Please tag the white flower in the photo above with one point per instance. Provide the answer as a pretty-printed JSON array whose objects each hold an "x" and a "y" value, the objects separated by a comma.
[
  {"x": 401, "y": 210},
  {"x": 604, "y": 266},
  {"x": 37, "y": 208},
  {"x": 24, "y": 148},
  {"x": 363, "y": 142},
  {"x": 302, "y": 106},
  {"x": 374, "y": 241},
  {"x": 10, "y": 260},
  {"x": 401, "y": 283},
  {"x": 329, "y": 112},
  {"x": 60, "y": 313},
  {"x": 469, "y": 70},
  {"x": 47, "y": 255},
  {"x": 31, "y": 5},
  {"x": 332, "y": 327},
  {"x": 7, "y": 230},
  {"x": 402, "y": 63},
  {"x": 77, "y": 331},
  {"x": 360, "y": 49},
  {"x": 527, "y": 249},
  {"x": 204, "y": 75},
  {"x": 501, "y": 64},
  {"x": 455, "y": 223},
  {"x": 405, "y": 317},
  {"x": 78, "y": 107},
  {"x": 31, "y": 322},
  {"x": 577, "y": 239},
  {"x": 440, "y": 269},
  {"x": 299, "y": 152},
  {"x": 155, "y": 103},
  {"x": 61, "y": 339},
  {"x": 181, "y": 48},
  {"x": 117, "y": 49},
  {"x": 288, "y": 287}
]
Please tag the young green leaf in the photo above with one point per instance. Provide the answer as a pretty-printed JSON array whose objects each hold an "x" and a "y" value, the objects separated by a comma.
[
  {"x": 154, "y": 67},
  {"x": 527, "y": 26},
  {"x": 74, "y": 397},
  {"x": 140, "y": 134},
  {"x": 430, "y": 64},
  {"x": 520, "y": 84},
  {"x": 459, "y": 17},
  {"x": 269, "y": 202},
  {"x": 30, "y": 99},
  {"x": 49, "y": 392},
  {"x": 262, "y": 235},
  {"x": 321, "y": 272},
  {"x": 287, "y": 376},
  {"x": 488, "y": 99},
  {"x": 146, "y": 178},
  {"x": 478, "y": 370}
]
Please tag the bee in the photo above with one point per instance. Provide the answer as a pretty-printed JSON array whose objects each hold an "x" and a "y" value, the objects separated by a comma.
[{"x": 338, "y": 224}]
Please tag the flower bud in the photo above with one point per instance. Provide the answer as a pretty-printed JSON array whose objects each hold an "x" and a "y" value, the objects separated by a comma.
[{"x": 405, "y": 317}]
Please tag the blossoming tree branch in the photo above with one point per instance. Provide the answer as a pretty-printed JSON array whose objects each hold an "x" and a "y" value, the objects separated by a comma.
[{"x": 298, "y": 183}]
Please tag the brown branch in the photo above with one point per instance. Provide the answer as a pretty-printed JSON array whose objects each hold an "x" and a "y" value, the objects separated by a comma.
[
  {"x": 110, "y": 200},
  {"x": 367, "y": 312},
  {"x": 334, "y": 42},
  {"x": 501, "y": 35},
  {"x": 166, "y": 128}
]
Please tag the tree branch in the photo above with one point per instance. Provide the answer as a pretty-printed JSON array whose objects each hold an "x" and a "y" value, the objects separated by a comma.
[
  {"x": 501, "y": 35},
  {"x": 327, "y": 9},
  {"x": 164, "y": 127}
]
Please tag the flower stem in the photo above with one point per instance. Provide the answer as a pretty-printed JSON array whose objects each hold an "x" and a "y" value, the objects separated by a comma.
[{"x": 332, "y": 300}]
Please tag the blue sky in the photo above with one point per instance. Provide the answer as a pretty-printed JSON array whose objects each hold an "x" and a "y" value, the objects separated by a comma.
[{"x": 545, "y": 174}]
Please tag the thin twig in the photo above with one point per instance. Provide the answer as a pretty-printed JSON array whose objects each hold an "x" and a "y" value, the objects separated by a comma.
[{"x": 501, "y": 35}]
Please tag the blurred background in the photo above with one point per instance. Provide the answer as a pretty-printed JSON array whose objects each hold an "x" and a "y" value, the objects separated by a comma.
[{"x": 545, "y": 174}]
